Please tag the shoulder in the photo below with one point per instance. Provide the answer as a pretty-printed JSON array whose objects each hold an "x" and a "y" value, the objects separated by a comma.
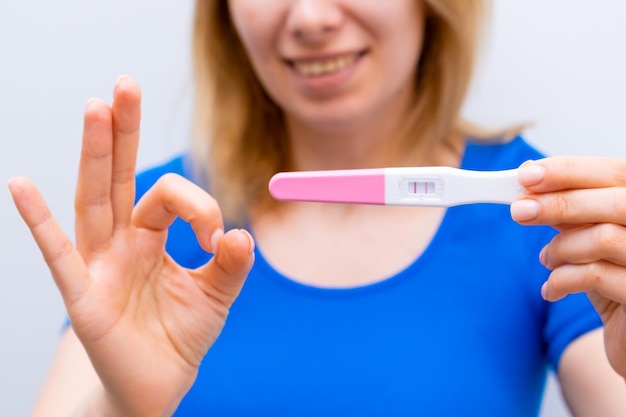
[{"x": 484, "y": 155}]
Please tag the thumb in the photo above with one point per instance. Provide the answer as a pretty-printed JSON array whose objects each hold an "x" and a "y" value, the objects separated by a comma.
[{"x": 223, "y": 276}]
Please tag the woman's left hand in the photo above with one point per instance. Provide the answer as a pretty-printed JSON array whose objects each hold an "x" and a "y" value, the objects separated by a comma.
[{"x": 584, "y": 198}]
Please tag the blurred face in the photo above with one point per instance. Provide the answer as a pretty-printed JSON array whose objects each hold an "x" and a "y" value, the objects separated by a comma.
[{"x": 332, "y": 62}]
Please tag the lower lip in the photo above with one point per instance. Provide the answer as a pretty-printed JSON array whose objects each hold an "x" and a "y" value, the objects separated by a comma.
[{"x": 327, "y": 83}]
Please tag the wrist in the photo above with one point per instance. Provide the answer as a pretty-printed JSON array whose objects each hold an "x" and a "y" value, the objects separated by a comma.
[{"x": 101, "y": 404}]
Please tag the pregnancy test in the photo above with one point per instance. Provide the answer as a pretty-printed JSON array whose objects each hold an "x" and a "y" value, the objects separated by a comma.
[{"x": 401, "y": 186}]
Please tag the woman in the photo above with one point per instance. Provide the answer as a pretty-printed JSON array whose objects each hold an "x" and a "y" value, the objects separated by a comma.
[{"x": 348, "y": 309}]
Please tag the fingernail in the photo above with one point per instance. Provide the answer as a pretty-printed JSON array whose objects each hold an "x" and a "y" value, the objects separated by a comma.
[
  {"x": 544, "y": 291},
  {"x": 215, "y": 239},
  {"x": 542, "y": 257},
  {"x": 90, "y": 100},
  {"x": 12, "y": 185},
  {"x": 119, "y": 81},
  {"x": 524, "y": 210},
  {"x": 121, "y": 78},
  {"x": 252, "y": 244},
  {"x": 531, "y": 174}
]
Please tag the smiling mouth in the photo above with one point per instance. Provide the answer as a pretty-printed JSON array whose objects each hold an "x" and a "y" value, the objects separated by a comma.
[{"x": 321, "y": 67}]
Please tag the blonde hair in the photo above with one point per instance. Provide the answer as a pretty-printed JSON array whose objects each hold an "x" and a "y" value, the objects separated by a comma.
[{"x": 240, "y": 139}]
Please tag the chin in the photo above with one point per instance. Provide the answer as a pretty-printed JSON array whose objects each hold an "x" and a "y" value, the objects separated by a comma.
[
  {"x": 334, "y": 122},
  {"x": 335, "y": 116}
]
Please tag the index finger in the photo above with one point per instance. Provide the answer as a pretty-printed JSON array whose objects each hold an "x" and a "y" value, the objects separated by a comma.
[
  {"x": 173, "y": 196},
  {"x": 561, "y": 173}
]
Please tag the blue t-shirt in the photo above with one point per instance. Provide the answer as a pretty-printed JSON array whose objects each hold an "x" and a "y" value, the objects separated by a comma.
[{"x": 463, "y": 330}]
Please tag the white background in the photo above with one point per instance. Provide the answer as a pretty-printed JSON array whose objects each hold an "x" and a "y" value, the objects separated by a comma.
[{"x": 558, "y": 64}]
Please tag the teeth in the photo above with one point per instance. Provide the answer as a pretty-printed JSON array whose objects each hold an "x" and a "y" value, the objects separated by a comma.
[{"x": 323, "y": 67}]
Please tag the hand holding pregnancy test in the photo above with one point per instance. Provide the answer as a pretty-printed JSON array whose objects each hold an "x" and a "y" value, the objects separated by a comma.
[{"x": 410, "y": 186}]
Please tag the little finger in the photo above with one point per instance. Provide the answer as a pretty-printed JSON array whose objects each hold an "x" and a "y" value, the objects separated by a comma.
[{"x": 65, "y": 263}]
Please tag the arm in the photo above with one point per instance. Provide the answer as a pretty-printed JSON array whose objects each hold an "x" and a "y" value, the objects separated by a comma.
[
  {"x": 70, "y": 382},
  {"x": 589, "y": 384},
  {"x": 72, "y": 387}
]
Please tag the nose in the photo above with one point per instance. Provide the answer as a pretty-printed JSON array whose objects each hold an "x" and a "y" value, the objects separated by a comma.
[{"x": 314, "y": 21}]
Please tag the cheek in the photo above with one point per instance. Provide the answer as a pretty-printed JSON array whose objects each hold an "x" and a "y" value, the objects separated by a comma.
[
  {"x": 258, "y": 31},
  {"x": 397, "y": 27},
  {"x": 255, "y": 21},
  {"x": 244, "y": 17},
  {"x": 405, "y": 37}
]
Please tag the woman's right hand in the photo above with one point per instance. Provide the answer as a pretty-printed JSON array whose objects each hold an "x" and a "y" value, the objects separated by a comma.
[{"x": 145, "y": 322}]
